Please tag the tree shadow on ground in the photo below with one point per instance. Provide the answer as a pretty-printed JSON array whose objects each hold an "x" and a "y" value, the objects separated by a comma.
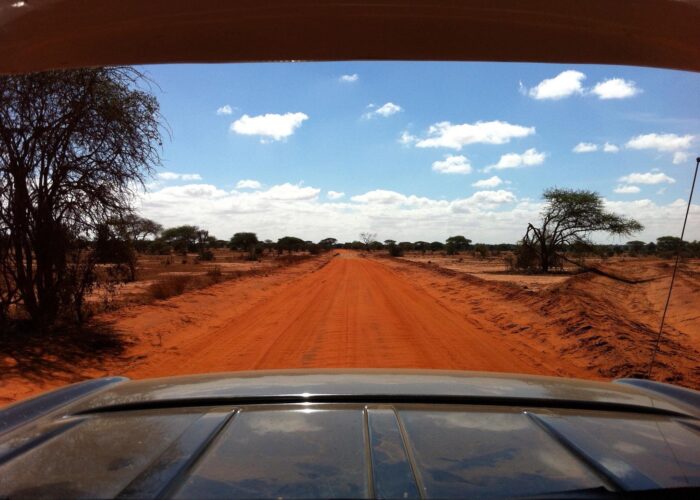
[{"x": 64, "y": 354}]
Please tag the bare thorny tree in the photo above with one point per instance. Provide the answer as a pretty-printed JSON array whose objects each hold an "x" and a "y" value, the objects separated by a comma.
[
  {"x": 568, "y": 219},
  {"x": 368, "y": 239},
  {"x": 74, "y": 147}
]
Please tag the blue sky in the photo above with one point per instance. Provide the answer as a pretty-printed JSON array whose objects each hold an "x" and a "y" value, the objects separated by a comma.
[{"x": 408, "y": 143}]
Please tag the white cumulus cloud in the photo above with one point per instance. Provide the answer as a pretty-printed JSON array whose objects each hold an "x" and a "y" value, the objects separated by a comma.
[
  {"x": 585, "y": 147},
  {"x": 270, "y": 126},
  {"x": 388, "y": 109},
  {"x": 488, "y": 183},
  {"x": 484, "y": 200},
  {"x": 627, "y": 189},
  {"x": 385, "y": 110},
  {"x": 615, "y": 88},
  {"x": 381, "y": 196},
  {"x": 173, "y": 176},
  {"x": 447, "y": 135},
  {"x": 349, "y": 78},
  {"x": 453, "y": 165},
  {"x": 406, "y": 138},
  {"x": 610, "y": 148},
  {"x": 563, "y": 85},
  {"x": 647, "y": 178},
  {"x": 660, "y": 142},
  {"x": 192, "y": 191},
  {"x": 570, "y": 82},
  {"x": 680, "y": 157},
  {"x": 291, "y": 209},
  {"x": 335, "y": 195},
  {"x": 529, "y": 158},
  {"x": 248, "y": 184},
  {"x": 493, "y": 197},
  {"x": 226, "y": 109},
  {"x": 290, "y": 192}
]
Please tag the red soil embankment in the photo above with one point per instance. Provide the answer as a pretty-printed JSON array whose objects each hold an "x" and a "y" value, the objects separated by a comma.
[{"x": 602, "y": 326}]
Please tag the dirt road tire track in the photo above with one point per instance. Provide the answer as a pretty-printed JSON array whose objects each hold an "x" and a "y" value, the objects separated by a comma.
[{"x": 353, "y": 312}]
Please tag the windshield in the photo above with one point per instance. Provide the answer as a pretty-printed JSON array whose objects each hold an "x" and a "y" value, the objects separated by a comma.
[{"x": 182, "y": 219}]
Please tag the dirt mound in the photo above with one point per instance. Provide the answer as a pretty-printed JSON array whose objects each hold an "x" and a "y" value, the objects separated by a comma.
[
  {"x": 510, "y": 289},
  {"x": 606, "y": 327},
  {"x": 599, "y": 321}
]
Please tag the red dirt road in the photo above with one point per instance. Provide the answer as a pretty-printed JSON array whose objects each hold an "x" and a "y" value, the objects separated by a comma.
[{"x": 353, "y": 312}]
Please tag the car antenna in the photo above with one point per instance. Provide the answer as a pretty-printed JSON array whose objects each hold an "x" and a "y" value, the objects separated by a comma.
[{"x": 675, "y": 268}]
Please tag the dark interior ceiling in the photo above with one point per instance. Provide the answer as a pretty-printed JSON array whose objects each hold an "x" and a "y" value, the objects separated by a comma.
[{"x": 44, "y": 34}]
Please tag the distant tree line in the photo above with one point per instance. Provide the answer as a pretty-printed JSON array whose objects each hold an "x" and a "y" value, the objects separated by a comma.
[
  {"x": 183, "y": 240},
  {"x": 453, "y": 245},
  {"x": 568, "y": 220}
]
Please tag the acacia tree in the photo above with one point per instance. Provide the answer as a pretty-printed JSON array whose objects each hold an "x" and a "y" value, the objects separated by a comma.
[
  {"x": 247, "y": 242},
  {"x": 368, "y": 239},
  {"x": 667, "y": 246},
  {"x": 112, "y": 246},
  {"x": 137, "y": 228},
  {"x": 182, "y": 239},
  {"x": 73, "y": 147},
  {"x": 290, "y": 244},
  {"x": 456, "y": 244},
  {"x": 569, "y": 217},
  {"x": 268, "y": 245},
  {"x": 118, "y": 240},
  {"x": 436, "y": 246},
  {"x": 327, "y": 243},
  {"x": 421, "y": 246},
  {"x": 635, "y": 247}
]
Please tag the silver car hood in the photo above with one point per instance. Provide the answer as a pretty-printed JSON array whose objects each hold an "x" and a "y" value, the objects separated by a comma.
[{"x": 351, "y": 434}]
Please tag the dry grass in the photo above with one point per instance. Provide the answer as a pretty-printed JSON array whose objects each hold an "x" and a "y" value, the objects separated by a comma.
[
  {"x": 169, "y": 287},
  {"x": 493, "y": 268},
  {"x": 287, "y": 259},
  {"x": 182, "y": 278},
  {"x": 178, "y": 284},
  {"x": 154, "y": 267}
]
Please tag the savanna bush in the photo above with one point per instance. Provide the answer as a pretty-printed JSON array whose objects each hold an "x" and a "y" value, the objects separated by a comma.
[
  {"x": 169, "y": 286},
  {"x": 214, "y": 274},
  {"x": 206, "y": 255},
  {"x": 395, "y": 251}
]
